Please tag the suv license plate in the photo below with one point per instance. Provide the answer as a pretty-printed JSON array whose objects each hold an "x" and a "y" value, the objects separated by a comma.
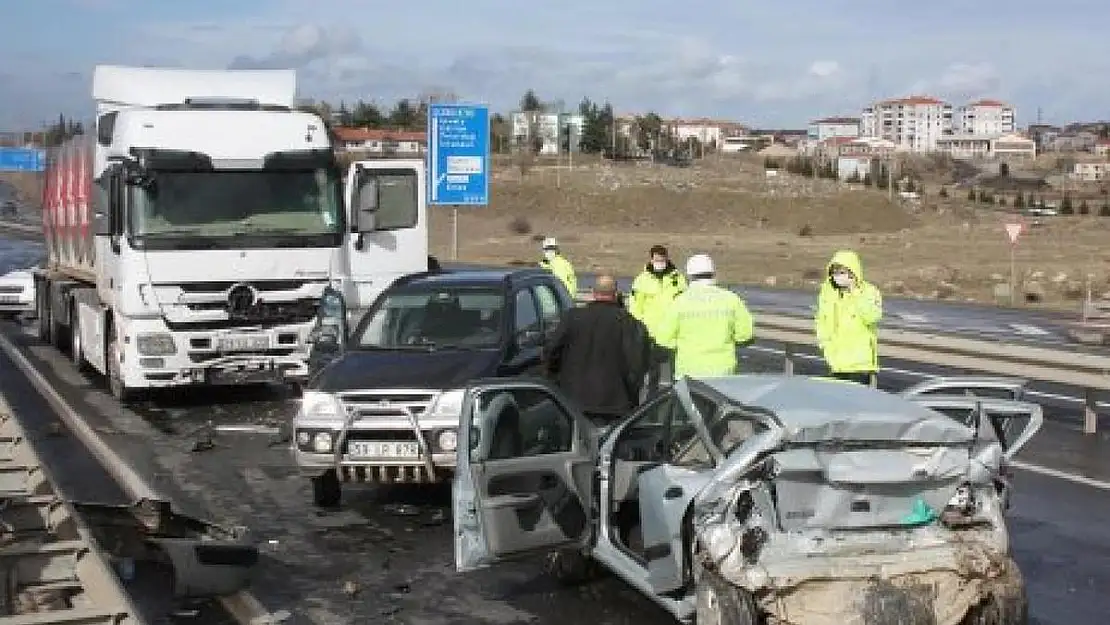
[
  {"x": 385, "y": 449},
  {"x": 243, "y": 343}
]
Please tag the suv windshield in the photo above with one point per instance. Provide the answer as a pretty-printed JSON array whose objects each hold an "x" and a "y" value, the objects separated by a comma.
[
  {"x": 452, "y": 317},
  {"x": 237, "y": 204}
]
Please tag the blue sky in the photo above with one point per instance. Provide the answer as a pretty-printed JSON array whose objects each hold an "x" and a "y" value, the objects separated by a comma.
[{"x": 769, "y": 63}]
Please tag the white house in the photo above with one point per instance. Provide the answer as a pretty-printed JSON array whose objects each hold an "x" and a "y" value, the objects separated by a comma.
[{"x": 829, "y": 127}]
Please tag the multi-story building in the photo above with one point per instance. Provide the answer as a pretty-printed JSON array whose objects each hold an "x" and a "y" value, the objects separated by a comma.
[
  {"x": 380, "y": 141},
  {"x": 984, "y": 118},
  {"x": 914, "y": 123},
  {"x": 829, "y": 127},
  {"x": 546, "y": 129}
]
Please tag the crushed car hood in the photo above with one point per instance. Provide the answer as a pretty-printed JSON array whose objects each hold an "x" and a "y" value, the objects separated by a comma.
[{"x": 440, "y": 369}]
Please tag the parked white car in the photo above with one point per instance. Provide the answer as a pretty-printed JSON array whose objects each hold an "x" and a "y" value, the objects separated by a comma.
[
  {"x": 758, "y": 498},
  {"x": 17, "y": 293}
]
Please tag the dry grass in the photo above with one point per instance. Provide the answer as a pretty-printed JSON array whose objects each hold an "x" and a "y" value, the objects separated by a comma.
[{"x": 773, "y": 231}]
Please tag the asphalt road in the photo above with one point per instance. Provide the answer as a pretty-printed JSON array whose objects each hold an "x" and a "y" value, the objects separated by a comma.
[
  {"x": 1012, "y": 325},
  {"x": 386, "y": 556}
]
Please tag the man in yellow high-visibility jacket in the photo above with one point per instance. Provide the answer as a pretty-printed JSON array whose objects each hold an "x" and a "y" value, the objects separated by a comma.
[
  {"x": 556, "y": 263},
  {"x": 847, "y": 324},
  {"x": 653, "y": 292},
  {"x": 705, "y": 324}
]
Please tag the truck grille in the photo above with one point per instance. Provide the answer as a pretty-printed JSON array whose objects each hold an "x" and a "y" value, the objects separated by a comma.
[{"x": 11, "y": 288}]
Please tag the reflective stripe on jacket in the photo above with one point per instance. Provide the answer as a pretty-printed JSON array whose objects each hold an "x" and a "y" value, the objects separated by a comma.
[
  {"x": 652, "y": 294},
  {"x": 847, "y": 322},
  {"x": 704, "y": 325}
]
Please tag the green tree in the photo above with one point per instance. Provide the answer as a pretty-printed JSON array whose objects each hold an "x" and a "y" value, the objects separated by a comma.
[
  {"x": 404, "y": 115},
  {"x": 531, "y": 103},
  {"x": 367, "y": 115},
  {"x": 649, "y": 129},
  {"x": 597, "y": 127},
  {"x": 343, "y": 115},
  {"x": 500, "y": 131}
]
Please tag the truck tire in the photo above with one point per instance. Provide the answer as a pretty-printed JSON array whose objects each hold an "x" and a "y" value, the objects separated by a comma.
[
  {"x": 43, "y": 306},
  {"x": 327, "y": 492},
  {"x": 116, "y": 385}
]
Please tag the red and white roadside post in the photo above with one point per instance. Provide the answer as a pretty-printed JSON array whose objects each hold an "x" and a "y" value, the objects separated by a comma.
[{"x": 1013, "y": 230}]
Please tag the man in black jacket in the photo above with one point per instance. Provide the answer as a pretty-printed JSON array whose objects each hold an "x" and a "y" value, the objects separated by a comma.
[{"x": 599, "y": 355}]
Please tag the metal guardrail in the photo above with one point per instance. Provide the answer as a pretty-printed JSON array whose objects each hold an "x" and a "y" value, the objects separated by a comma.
[
  {"x": 51, "y": 568},
  {"x": 1090, "y": 372}
]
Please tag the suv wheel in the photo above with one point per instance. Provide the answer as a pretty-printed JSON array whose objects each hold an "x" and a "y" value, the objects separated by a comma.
[{"x": 326, "y": 489}]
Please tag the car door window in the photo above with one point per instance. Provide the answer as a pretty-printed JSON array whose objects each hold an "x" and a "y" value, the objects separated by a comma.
[
  {"x": 519, "y": 423},
  {"x": 685, "y": 447},
  {"x": 527, "y": 318},
  {"x": 550, "y": 311}
]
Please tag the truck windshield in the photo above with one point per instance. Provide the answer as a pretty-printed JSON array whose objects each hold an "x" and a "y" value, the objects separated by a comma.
[
  {"x": 426, "y": 318},
  {"x": 237, "y": 205}
]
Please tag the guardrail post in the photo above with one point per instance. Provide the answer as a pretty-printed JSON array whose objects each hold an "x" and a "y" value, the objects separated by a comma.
[
  {"x": 1090, "y": 412},
  {"x": 788, "y": 359}
]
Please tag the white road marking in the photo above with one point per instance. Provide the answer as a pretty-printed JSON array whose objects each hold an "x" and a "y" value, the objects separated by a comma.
[
  {"x": 1071, "y": 477},
  {"x": 1029, "y": 330},
  {"x": 912, "y": 317},
  {"x": 928, "y": 376}
]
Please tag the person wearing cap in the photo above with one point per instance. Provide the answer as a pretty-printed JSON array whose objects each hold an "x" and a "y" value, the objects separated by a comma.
[
  {"x": 847, "y": 323},
  {"x": 598, "y": 355},
  {"x": 554, "y": 261},
  {"x": 653, "y": 291},
  {"x": 705, "y": 324}
]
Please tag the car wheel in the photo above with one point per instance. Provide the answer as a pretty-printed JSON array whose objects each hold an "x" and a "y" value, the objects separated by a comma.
[
  {"x": 327, "y": 492},
  {"x": 570, "y": 567},
  {"x": 717, "y": 602}
]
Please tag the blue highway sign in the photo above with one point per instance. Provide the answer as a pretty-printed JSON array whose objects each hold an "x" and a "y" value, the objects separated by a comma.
[
  {"x": 22, "y": 159},
  {"x": 458, "y": 155}
]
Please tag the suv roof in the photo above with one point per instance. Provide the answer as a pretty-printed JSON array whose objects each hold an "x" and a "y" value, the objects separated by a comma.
[{"x": 472, "y": 277}]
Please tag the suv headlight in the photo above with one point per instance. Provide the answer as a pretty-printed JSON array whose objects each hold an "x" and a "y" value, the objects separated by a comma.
[
  {"x": 317, "y": 405},
  {"x": 448, "y": 404}
]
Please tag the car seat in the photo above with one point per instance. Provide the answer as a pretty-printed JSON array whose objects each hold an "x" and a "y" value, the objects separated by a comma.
[{"x": 502, "y": 420}]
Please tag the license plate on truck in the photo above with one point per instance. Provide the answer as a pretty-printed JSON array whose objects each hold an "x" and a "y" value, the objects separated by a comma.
[
  {"x": 242, "y": 343},
  {"x": 383, "y": 449}
]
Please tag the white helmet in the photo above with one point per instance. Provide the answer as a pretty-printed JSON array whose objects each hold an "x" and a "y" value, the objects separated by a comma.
[
  {"x": 550, "y": 243},
  {"x": 699, "y": 265}
]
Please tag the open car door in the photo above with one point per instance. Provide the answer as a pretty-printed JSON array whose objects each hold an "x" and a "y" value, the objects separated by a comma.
[{"x": 524, "y": 474}]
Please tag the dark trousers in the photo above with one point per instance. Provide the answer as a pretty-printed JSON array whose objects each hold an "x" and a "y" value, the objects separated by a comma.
[
  {"x": 660, "y": 370},
  {"x": 859, "y": 377}
]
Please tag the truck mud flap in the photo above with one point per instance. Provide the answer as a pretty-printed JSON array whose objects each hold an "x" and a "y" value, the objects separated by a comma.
[{"x": 207, "y": 559}]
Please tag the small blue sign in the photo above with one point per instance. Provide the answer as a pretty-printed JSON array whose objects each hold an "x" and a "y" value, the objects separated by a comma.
[
  {"x": 22, "y": 159},
  {"x": 458, "y": 155}
]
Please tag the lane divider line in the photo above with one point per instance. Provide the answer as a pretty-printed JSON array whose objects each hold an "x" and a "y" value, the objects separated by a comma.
[
  {"x": 1071, "y": 477},
  {"x": 243, "y": 606}
]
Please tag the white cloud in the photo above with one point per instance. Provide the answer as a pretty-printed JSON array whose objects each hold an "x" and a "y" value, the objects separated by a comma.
[
  {"x": 824, "y": 69},
  {"x": 962, "y": 81}
]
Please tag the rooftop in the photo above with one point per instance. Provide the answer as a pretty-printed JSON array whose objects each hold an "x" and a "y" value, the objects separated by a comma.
[
  {"x": 378, "y": 134},
  {"x": 914, "y": 100},
  {"x": 990, "y": 103},
  {"x": 837, "y": 120}
]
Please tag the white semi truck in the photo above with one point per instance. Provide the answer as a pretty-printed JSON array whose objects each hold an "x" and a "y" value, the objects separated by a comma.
[{"x": 191, "y": 236}]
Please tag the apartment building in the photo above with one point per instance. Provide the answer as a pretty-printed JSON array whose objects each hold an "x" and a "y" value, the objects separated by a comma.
[
  {"x": 547, "y": 129},
  {"x": 915, "y": 123},
  {"x": 984, "y": 117}
]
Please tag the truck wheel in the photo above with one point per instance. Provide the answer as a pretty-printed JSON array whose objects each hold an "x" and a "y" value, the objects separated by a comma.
[
  {"x": 116, "y": 386},
  {"x": 43, "y": 314},
  {"x": 326, "y": 490},
  {"x": 717, "y": 602},
  {"x": 76, "y": 345}
]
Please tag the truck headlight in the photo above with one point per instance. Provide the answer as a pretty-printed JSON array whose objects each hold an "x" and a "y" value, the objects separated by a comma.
[
  {"x": 155, "y": 344},
  {"x": 448, "y": 404},
  {"x": 317, "y": 405},
  {"x": 448, "y": 440},
  {"x": 321, "y": 443}
]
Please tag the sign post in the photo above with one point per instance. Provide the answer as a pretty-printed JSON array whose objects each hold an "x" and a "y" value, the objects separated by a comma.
[
  {"x": 1013, "y": 230},
  {"x": 458, "y": 160}
]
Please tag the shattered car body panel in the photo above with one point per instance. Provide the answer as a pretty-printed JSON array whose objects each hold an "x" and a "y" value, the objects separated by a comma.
[{"x": 810, "y": 501}]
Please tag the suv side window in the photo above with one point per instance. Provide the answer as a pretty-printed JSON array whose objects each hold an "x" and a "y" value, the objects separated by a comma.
[
  {"x": 524, "y": 309},
  {"x": 550, "y": 311}
]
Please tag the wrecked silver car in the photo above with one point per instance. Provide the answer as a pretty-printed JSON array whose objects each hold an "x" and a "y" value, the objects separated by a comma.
[{"x": 758, "y": 498}]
